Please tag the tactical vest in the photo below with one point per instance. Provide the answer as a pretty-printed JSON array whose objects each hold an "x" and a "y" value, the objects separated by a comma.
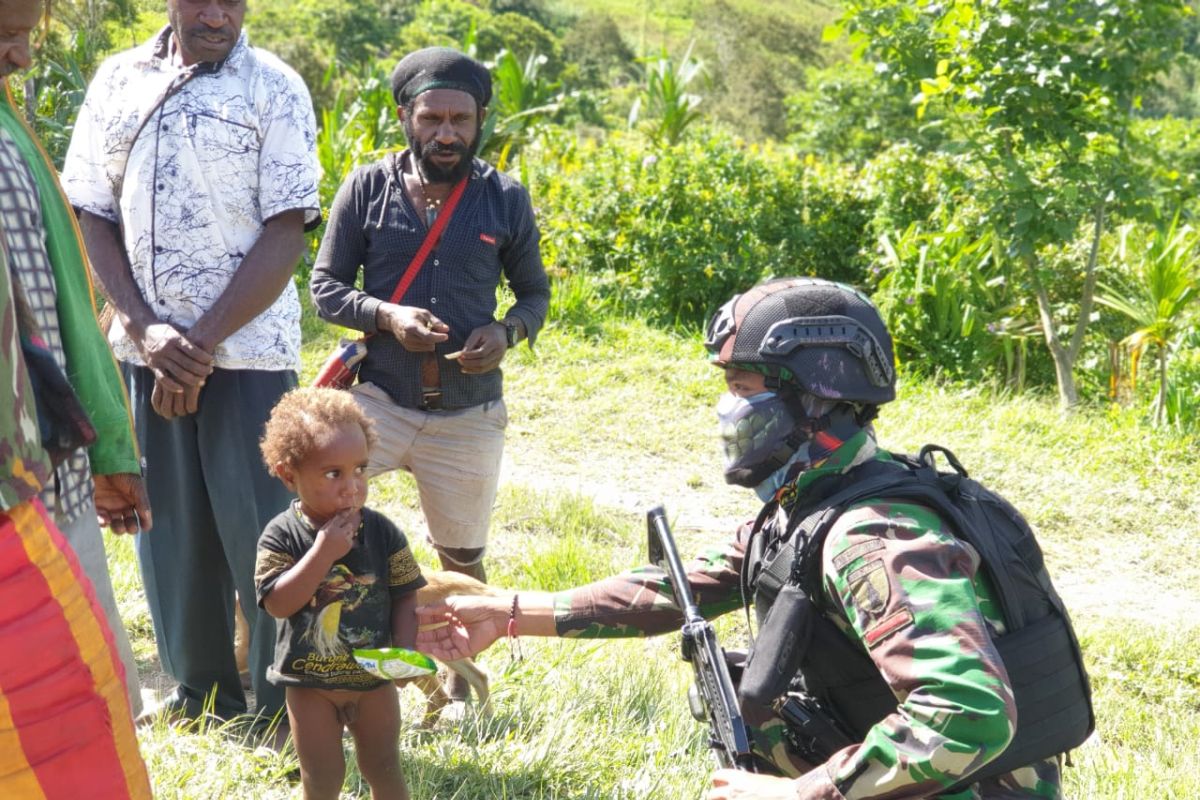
[{"x": 809, "y": 654}]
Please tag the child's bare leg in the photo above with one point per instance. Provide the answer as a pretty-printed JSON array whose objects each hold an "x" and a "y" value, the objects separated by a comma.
[
  {"x": 317, "y": 734},
  {"x": 377, "y": 740}
]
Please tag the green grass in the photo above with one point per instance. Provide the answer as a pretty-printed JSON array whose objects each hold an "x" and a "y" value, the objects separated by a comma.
[{"x": 608, "y": 419}]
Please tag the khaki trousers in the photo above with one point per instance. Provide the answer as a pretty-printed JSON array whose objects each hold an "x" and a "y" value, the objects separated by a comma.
[{"x": 453, "y": 455}]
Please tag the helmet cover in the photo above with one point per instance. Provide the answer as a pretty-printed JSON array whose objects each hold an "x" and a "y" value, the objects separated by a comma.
[{"x": 824, "y": 338}]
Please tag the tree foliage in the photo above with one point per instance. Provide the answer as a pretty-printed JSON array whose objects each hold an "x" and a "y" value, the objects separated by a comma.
[
  {"x": 1041, "y": 94},
  {"x": 758, "y": 53},
  {"x": 326, "y": 40},
  {"x": 599, "y": 54},
  {"x": 847, "y": 112}
]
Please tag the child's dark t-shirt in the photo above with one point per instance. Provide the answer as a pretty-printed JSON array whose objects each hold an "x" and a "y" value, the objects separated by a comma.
[{"x": 350, "y": 609}]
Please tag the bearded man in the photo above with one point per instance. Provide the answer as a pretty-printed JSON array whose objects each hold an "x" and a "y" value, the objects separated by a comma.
[{"x": 431, "y": 379}]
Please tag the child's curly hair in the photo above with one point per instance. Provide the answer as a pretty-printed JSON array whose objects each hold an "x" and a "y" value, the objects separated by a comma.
[{"x": 301, "y": 416}]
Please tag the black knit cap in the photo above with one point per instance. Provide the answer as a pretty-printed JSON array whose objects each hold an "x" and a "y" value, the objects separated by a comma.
[{"x": 440, "y": 68}]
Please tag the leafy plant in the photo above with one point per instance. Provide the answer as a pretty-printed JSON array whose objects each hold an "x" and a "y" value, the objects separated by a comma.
[
  {"x": 59, "y": 86},
  {"x": 948, "y": 305},
  {"x": 522, "y": 101},
  {"x": 671, "y": 106},
  {"x": 1183, "y": 386},
  {"x": 356, "y": 128},
  {"x": 1157, "y": 295}
]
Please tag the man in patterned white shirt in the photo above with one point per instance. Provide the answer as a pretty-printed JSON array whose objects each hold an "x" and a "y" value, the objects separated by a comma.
[{"x": 193, "y": 168}]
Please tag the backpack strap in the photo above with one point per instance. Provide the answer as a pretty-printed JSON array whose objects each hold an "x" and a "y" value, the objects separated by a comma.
[{"x": 798, "y": 558}]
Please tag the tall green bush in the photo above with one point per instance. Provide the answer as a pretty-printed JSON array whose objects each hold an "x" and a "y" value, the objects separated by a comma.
[
  {"x": 948, "y": 306},
  {"x": 671, "y": 232}
]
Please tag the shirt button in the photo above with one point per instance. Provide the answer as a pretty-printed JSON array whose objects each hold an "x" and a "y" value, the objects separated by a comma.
[
  {"x": 158, "y": 248},
  {"x": 433, "y": 300},
  {"x": 436, "y": 262},
  {"x": 161, "y": 187},
  {"x": 162, "y": 302}
]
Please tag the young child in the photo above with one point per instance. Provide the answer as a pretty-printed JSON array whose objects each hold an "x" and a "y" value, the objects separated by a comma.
[{"x": 340, "y": 576}]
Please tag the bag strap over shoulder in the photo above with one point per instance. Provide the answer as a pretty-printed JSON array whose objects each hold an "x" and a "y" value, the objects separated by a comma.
[{"x": 431, "y": 240}]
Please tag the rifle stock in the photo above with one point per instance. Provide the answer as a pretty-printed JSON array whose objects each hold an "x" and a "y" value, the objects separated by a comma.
[{"x": 728, "y": 736}]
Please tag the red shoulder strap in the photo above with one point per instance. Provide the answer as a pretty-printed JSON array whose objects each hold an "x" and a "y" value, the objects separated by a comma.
[{"x": 431, "y": 239}]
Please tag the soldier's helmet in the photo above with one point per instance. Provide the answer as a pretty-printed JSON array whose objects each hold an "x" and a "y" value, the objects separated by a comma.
[{"x": 817, "y": 336}]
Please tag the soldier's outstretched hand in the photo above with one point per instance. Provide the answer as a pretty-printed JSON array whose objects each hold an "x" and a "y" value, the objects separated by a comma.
[{"x": 461, "y": 626}]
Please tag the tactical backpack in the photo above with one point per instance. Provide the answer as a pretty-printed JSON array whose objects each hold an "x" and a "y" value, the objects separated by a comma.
[{"x": 812, "y": 658}]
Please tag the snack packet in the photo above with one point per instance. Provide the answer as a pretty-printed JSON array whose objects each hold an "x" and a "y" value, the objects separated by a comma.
[{"x": 394, "y": 663}]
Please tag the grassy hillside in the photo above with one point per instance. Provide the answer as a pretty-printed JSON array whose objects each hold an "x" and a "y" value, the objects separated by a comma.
[{"x": 649, "y": 24}]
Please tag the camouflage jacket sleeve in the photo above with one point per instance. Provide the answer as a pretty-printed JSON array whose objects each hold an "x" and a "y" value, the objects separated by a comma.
[
  {"x": 907, "y": 591},
  {"x": 640, "y": 603}
]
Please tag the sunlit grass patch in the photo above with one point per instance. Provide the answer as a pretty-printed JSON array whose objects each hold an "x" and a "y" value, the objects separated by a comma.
[{"x": 1147, "y": 699}]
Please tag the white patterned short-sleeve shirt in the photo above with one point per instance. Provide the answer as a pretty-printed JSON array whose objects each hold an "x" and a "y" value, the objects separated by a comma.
[{"x": 191, "y": 161}]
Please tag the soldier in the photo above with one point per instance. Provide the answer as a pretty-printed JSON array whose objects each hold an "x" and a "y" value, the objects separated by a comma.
[{"x": 807, "y": 364}]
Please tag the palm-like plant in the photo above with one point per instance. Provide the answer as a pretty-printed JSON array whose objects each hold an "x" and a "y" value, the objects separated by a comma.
[
  {"x": 1162, "y": 282},
  {"x": 522, "y": 99},
  {"x": 666, "y": 95},
  {"x": 357, "y": 127}
]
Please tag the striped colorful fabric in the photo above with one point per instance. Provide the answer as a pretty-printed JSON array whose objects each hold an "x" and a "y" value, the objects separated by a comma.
[{"x": 66, "y": 730}]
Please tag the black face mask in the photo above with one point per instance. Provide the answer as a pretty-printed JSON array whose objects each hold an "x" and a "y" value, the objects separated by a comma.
[{"x": 759, "y": 435}]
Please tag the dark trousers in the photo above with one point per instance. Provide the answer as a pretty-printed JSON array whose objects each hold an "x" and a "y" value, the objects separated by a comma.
[{"x": 211, "y": 497}]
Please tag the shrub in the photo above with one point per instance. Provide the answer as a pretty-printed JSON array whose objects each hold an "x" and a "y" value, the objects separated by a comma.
[
  {"x": 948, "y": 305},
  {"x": 671, "y": 232}
]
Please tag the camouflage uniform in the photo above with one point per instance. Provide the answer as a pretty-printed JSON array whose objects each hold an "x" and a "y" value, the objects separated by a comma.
[
  {"x": 913, "y": 596},
  {"x": 24, "y": 465}
]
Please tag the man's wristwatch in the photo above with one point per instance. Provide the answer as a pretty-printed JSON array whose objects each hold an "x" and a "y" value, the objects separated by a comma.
[{"x": 511, "y": 332}]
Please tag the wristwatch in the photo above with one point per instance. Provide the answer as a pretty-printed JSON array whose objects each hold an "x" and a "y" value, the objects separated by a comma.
[{"x": 511, "y": 332}]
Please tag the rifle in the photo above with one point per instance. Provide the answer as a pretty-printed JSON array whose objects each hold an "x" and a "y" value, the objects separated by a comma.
[{"x": 718, "y": 705}]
